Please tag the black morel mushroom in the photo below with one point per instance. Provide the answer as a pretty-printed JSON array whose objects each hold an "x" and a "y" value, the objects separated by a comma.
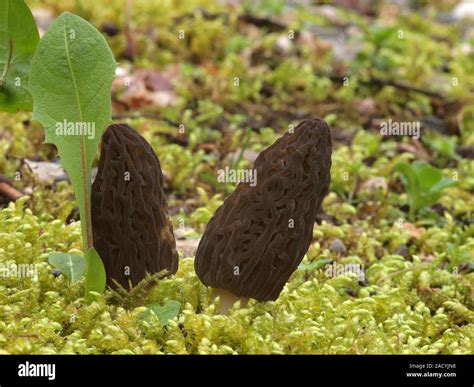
[
  {"x": 259, "y": 236},
  {"x": 132, "y": 231}
]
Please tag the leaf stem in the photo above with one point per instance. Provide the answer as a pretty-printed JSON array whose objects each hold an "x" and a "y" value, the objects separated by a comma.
[{"x": 88, "y": 242}]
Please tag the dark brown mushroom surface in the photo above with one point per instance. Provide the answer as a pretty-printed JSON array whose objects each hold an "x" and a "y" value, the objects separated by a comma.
[
  {"x": 259, "y": 236},
  {"x": 132, "y": 231}
]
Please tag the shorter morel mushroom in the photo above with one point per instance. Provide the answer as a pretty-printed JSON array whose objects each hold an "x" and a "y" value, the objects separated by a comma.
[
  {"x": 259, "y": 236},
  {"x": 132, "y": 231}
]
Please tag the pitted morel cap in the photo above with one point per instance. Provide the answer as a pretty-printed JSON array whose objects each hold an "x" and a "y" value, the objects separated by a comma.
[
  {"x": 132, "y": 231},
  {"x": 259, "y": 236}
]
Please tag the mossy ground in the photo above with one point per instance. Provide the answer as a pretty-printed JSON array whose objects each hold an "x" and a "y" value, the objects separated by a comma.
[{"x": 417, "y": 294}]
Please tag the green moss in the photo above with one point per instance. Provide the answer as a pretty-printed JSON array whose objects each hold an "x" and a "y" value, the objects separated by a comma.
[
  {"x": 396, "y": 311},
  {"x": 417, "y": 302}
]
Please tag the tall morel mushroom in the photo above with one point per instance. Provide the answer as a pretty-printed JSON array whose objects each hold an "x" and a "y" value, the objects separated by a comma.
[
  {"x": 132, "y": 231},
  {"x": 258, "y": 237}
]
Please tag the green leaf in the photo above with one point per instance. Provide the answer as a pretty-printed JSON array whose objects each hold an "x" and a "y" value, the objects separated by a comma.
[
  {"x": 379, "y": 34},
  {"x": 18, "y": 39},
  {"x": 427, "y": 175},
  {"x": 71, "y": 266},
  {"x": 165, "y": 312},
  {"x": 315, "y": 265},
  {"x": 94, "y": 273},
  {"x": 70, "y": 80},
  {"x": 424, "y": 182},
  {"x": 431, "y": 182},
  {"x": 410, "y": 177},
  {"x": 444, "y": 183}
]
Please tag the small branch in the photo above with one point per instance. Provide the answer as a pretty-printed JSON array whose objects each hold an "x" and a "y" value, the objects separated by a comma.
[
  {"x": 135, "y": 115},
  {"x": 406, "y": 87},
  {"x": 262, "y": 22},
  {"x": 7, "y": 190},
  {"x": 131, "y": 50},
  {"x": 271, "y": 24},
  {"x": 391, "y": 82}
]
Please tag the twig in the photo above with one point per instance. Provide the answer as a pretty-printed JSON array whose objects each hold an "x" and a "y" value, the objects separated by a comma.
[
  {"x": 131, "y": 50},
  {"x": 153, "y": 116},
  {"x": 391, "y": 82},
  {"x": 271, "y": 24},
  {"x": 7, "y": 190},
  {"x": 406, "y": 87}
]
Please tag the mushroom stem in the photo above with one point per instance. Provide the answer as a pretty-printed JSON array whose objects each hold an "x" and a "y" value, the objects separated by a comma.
[{"x": 228, "y": 299}]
